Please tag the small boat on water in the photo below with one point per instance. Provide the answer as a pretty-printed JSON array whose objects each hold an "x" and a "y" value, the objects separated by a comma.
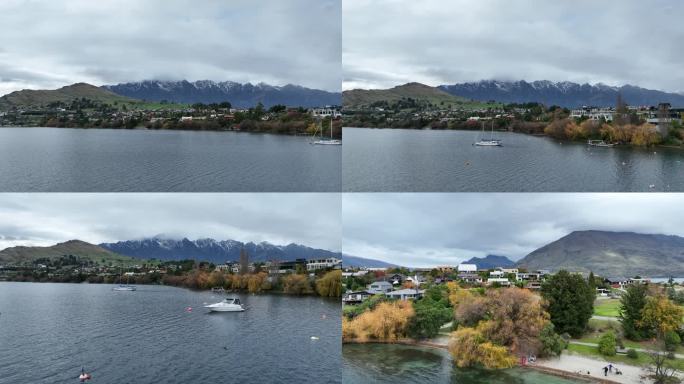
[
  {"x": 599, "y": 143},
  {"x": 124, "y": 287},
  {"x": 83, "y": 377},
  {"x": 492, "y": 142},
  {"x": 329, "y": 141},
  {"x": 229, "y": 304}
]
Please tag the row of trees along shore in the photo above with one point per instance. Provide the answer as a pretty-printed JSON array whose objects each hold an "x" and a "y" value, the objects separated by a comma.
[
  {"x": 203, "y": 275},
  {"x": 495, "y": 327},
  {"x": 553, "y": 121},
  {"x": 325, "y": 283},
  {"x": 86, "y": 113}
]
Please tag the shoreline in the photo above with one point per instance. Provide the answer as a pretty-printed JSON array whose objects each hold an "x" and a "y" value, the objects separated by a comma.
[
  {"x": 668, "y": 146},
  {"x": 163, "y": 130},
  {"x": 227, "y": 291},
  {"x": 548, "y": 370}
]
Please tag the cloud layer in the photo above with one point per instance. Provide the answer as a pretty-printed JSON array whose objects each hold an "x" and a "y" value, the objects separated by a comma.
[
  {"x": 47, "y": 44},
  {"x": 45, "y": 219},
  {"x": 616, "y": 42},
  {"x": 436, "y": 229}
]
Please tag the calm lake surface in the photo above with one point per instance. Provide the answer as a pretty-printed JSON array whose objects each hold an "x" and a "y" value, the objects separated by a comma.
[
  {"x": 107, "y": 160},
  {"x": 48, "y": 331},
  {"x": 399, "y": 364},
  {"x": 401, "y": 160}
]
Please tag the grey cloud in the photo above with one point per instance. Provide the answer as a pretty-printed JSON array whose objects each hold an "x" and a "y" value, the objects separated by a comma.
[
  {"x": 44, "y": 219},
  {"x": 615, "y": 42},
  {"x": 298, "y": 41},
  {"x": 434, "y": 229}
]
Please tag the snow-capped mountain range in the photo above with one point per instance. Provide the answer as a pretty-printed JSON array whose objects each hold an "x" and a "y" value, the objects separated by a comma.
[
  {"x": 565, "y": 94},
  {"x": 216, "y": 251},
  {"x": 239, "y": 95}
]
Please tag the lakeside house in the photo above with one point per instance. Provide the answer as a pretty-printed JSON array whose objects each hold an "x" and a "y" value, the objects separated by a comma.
[
  {"x": 379, "y": 287},
  {"x": 355, "y": 297},
  {"x": 617, "y": 282},
  {"x": 326, "y": 111},
  {"x": 502, "y": 281},
  {"x": 406, "y": 294},
  {"x": 467, "y": 268},
  {"x": 327, "y": 263}
]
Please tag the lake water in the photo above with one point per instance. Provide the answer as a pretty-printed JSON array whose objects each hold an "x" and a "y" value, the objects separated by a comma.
[
  {"x": 106, "y": 160},
  {"x": 399, "y": 364},
  {"x": 48, "y": 331},
  {"x": 401, "y": 160}
]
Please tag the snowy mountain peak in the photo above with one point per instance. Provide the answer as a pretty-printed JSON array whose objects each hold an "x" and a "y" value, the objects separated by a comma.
[
  {"x": 564, "y": 93},
  {"x": 239, "y": 95}
]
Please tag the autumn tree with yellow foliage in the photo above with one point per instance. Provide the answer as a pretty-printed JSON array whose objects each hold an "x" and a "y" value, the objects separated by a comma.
[
  {"x": 330, "y": 285},
  {"x": 388, "y": 323},
  {"x": 297, "y": 284},
  {"x": 470, "y": 348},
  {"x": 661, "y": 315},
  {"x": 498, "y": 326}
]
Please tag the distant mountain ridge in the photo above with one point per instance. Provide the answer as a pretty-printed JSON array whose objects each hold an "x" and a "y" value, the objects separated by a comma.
[
  {"x": 611, "y": 254},
  {"x": 359, "y": 262},
  {"x": 491, "y": 262},
  {"x": 28, "y": 98},
  {"x": 239, "y": 95},
  {"x": 215, "y": 251},
  {"x": 565, "y": 94}
]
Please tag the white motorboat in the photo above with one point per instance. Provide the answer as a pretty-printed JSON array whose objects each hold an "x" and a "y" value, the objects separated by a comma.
[
  {"x": 229, "y": 304},
  {"x": 492, "y": 142},
  {"x": 599, "y": 143},
  {"x": 488, "y": 143},
  {"x": 329, "y": 141},
  {"x": 124, "y": 287}
]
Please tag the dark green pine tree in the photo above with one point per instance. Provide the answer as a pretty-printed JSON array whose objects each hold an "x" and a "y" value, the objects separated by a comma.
[
  {"x": 632, "y": 302},
  {"x": 571, "y": 302}
]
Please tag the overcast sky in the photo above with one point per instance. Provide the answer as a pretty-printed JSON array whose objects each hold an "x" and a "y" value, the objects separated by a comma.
[
  {"x": 422, "y": 230},
  {"x": 45, "y": 44},
  {"x": 616, "y": 42},
  {"x": 46, "y": 219}
]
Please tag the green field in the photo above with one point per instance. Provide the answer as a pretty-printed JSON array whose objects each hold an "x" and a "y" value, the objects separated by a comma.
[{"x": 607, "y": 307}]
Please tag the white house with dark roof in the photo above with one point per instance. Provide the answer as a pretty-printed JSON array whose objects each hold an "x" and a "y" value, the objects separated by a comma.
[{"x": 379, "y": 287}]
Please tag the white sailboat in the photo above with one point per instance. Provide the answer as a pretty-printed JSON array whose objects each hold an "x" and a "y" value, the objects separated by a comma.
[
  {"x": 329, "y": 141},
  {"x": 492, "y": 142},
  {"x": 124, "y": 287}
]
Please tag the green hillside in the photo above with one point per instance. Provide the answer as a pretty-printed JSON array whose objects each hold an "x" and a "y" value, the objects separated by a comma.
[
  {"x": 28, "y": 98},
  {"x": 76, "y": 248},
  {"x": 359, "y": 98}
]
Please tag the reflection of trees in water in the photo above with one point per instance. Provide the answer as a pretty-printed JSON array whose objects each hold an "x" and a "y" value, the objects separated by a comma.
[{"x": 400, "y": 364}]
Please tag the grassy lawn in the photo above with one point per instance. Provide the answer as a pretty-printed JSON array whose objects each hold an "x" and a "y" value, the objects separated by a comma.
[
  {"x": 607, "y": 307},
  {"x": 641, "y": 360},
  {"x": 593, "y": 352}
]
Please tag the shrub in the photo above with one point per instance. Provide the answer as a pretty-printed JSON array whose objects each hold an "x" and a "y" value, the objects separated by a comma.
[
  {"x": 607, "y": 344},
  {"x": 552, "y": 343},
  {"x": 632, "y": 354},
  {"x": 672, "y": 340}
]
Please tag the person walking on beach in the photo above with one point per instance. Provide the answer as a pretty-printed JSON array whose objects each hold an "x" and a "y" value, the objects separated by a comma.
[{"x": 605, "y": 371}]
